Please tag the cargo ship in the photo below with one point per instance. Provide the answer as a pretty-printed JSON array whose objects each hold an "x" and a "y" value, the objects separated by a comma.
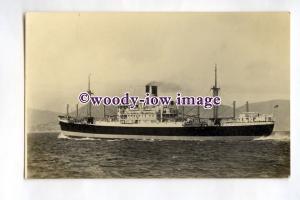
[{"x": 165, "y": 122}]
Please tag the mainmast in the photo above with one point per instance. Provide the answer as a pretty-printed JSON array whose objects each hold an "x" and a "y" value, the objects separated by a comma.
[{"x": 215, "y": 91}]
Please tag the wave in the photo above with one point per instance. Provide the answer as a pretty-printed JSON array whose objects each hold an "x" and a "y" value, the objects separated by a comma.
[
  {"x": 85, "y": 138},
  {"x": 114, "y": 140},
  {"x": 277, "y": 135},
  {"x": 62, "y": 136}
]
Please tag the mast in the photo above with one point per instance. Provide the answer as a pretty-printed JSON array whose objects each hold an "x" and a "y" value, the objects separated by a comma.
[
  {"x": 247, "y": 106},
  {"x": 161, "y": 114},
  {"x": 89, "y": 109},
  {"x": 233, "y": 105},
  {"x": 104, "y": 115},
  {"x": 67, "y": 110},
  {"x": 76, "y": 110},
  {"x": 119, "y": 114},
  {"x": 215, "y": 92}
]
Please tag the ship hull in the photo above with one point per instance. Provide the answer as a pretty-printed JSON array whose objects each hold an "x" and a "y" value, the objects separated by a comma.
[{"x": 90, "y": 130}]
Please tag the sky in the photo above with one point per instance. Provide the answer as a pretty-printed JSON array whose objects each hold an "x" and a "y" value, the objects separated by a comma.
[{"x": 125, "y": 51}]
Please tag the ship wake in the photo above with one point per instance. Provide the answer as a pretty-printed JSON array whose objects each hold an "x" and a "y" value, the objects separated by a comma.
[{"x": 276, "y": 135}]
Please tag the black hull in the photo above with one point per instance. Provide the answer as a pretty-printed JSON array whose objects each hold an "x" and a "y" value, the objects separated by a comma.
[{"x": 251, "y": 130}]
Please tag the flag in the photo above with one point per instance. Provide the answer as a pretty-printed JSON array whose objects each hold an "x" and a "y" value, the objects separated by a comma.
[{"x": 276, "y": 106}]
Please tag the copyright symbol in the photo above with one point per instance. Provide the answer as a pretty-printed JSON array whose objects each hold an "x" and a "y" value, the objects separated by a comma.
[{"x": 84, "y": 97}]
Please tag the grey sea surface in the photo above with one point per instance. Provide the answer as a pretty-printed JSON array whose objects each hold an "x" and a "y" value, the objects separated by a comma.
[{"x": 50, "y": 155}]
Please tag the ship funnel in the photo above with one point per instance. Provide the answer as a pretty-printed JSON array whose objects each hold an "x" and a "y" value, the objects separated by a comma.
[{"x": 151, "y": 89}]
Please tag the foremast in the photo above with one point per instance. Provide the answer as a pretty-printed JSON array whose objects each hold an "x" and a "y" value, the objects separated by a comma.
[{"x": 90, "y": 119}]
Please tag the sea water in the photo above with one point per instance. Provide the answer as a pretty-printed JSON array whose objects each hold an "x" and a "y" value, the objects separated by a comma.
[{"x": 52, "y": 155}]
